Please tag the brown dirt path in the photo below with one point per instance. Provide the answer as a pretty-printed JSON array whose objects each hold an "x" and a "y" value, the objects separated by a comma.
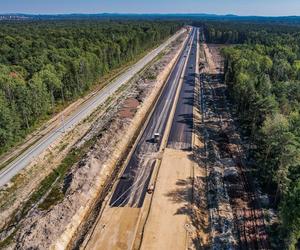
[{"x": 167, "y": 225}]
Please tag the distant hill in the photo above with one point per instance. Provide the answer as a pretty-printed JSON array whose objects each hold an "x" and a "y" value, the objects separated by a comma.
[{"x": 116, "y": 16}]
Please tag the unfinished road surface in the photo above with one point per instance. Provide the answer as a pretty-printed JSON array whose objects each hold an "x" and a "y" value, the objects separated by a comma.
[
  {"x": 182, "y": 127},
  {"x": 132, "y": 186},
  {"x": 80, "y": 114}
]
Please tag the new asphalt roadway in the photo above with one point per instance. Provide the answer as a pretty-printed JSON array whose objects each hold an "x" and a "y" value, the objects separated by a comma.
[
  {"x": 182, "y": 127},
  {"x": 132, "y": 185}
]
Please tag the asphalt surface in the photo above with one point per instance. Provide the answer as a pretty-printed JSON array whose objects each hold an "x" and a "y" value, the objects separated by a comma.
[
  {"x": 83, "y": 112},
  {"x": 132, "y": 186},
  {"x": 180, "y": 136}
]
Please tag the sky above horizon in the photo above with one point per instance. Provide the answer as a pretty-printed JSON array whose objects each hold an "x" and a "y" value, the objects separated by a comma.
[{"x": 239, "y": 7}]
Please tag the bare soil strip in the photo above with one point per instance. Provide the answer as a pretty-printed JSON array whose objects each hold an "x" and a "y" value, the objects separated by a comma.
[
  {"x": 236, "y": 218},
  {"x": 167, "y": 225}
]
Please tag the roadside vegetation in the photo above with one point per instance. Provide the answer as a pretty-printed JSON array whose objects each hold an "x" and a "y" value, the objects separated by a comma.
[
  {"x": 49, "y": 192},
  {"x": 44, "y": 64},
  {"x": 263, "y": 77}
]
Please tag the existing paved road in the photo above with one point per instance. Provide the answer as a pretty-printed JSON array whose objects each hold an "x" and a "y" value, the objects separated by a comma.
[
  {"x": 83, "y": 112},
  {"x": 182, "y": 127},
  {"x": 132, "y": 186}
]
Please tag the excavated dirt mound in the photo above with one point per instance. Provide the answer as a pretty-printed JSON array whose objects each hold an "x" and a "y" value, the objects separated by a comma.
[{"x": 129, "y": 109}]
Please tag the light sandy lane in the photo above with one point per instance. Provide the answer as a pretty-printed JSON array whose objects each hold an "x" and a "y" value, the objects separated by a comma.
[
  {"x": 167, "y": 224},
  {"x": 83, "y": 112}
]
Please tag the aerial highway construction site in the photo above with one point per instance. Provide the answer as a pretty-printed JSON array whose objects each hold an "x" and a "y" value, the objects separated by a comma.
[{"x": 152, "y": 161}]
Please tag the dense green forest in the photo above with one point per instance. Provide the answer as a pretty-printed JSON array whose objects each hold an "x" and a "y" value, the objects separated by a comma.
[
  {"x": 262, "y": 72},
  {"x": 45, "y": 63}
]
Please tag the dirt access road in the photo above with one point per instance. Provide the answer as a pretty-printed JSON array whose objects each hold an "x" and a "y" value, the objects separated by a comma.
[{"x": 82, "y": 112}]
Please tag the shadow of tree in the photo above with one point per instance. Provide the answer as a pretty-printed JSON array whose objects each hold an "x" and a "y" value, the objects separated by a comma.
[
  {"x": 192, "y": 206},
  {"x": 182, "y": 194}
]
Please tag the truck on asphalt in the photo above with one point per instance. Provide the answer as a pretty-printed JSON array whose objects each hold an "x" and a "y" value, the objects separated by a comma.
[{"x": 156, "y": 137}]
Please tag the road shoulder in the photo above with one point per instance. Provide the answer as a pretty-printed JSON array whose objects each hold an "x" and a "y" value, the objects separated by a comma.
[{"x": 169, "y": 211}]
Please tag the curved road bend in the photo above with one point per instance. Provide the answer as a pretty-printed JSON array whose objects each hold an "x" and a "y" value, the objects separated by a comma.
[
  {"x": 83, "y": 112},
  {"x": 132, "y": 186}
]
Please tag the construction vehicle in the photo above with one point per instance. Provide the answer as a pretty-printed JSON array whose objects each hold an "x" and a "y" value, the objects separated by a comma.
[
  {"x": 150, "y": 189},
  {"x": 156, "y": 137}
]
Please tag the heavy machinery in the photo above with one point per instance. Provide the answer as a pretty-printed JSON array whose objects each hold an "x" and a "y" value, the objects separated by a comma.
[
  {"x": 150, "y": 189},
  {"x": 156, "y": 137}
]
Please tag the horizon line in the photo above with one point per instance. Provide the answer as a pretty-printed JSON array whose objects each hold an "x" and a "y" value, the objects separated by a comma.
[{"x": 132, "y": 13}]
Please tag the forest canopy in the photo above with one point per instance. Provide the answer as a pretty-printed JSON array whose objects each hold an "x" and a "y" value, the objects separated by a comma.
[
  {"x": 45, "y": 63},
  {"x": 262, "y": 73}
]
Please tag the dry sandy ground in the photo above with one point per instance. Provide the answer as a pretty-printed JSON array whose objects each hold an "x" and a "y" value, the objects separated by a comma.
[
  {"x": 199, "y": 209},
  {"x": 114, "y": 231},
  {"x": 212, "y": 67},
  {"x": 221, "y": 213},
  {"x": 23, "y": 184},
  {"x": 167, "y": 225}
]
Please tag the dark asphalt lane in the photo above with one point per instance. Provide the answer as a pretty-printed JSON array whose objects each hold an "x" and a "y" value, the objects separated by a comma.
[
  {"x": 132, "y": 186},
  {"x": 182, "y": 127}
]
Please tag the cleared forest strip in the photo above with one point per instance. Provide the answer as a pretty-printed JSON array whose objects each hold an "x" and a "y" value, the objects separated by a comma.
[{"x": 236, "y": 217}]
